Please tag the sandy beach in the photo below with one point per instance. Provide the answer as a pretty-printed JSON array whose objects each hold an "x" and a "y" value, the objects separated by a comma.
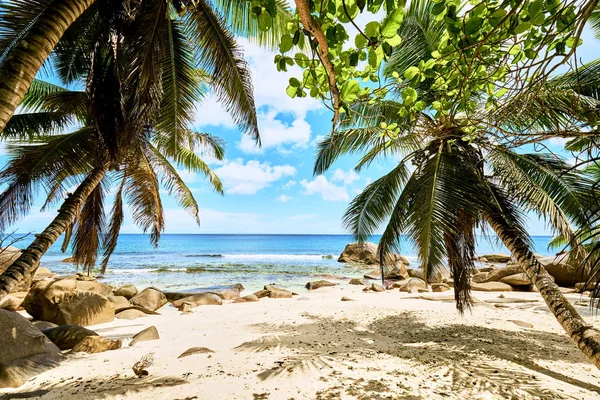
[{"x": 315, "y": 346}]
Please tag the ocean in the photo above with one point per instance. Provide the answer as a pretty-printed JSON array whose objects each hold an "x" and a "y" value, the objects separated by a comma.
[{"x": 191, "y": 261}]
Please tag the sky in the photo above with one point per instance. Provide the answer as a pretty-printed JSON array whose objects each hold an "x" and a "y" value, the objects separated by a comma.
[{"x": 272, "y": 190}]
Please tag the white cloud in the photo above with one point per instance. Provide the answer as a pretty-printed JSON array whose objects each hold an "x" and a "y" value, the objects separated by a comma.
[
  {"x": 289, "y": 185},
  {"x": 284, "y": 199},
  {"x": 347, "y": 177},
  {"x": 269, "y": 91},
  {"x": 249, "y": 178},
  {"x": 328, "y": 190},
  {"x": 274, "y": 133}
]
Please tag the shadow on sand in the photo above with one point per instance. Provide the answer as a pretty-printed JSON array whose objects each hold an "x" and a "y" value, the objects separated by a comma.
[{"x": 465, "y": 360}]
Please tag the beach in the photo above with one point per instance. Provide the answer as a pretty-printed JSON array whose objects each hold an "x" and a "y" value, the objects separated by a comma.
[{"x": 315, "y": 346}]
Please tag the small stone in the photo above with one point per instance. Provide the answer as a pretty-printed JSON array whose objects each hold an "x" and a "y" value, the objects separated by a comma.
[
  {"x": 377, "y": 288},
  {"x": 522, "y": 324},
  {"x": 150, "y": 333},
  {"x": 345, "y": 298},
  {"x": 319, "y": 284},
  {"x": 195, "y": 350},
  {"x": 440, "y": 287},
  {"x": 357, "y": 281}
]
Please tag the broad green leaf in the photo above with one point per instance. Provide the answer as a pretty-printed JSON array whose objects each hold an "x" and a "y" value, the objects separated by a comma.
[
  {"x": 349, "y": 91},
  {"x": 392, "y": 23},
  {"x": 286, "y": 43},
  {"x": 411, "y": 72},
  {"x": 373, "y": 29},
  {"x": 294, "y": 82}
]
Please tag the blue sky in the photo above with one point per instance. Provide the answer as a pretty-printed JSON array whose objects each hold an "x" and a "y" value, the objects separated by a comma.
[{"x": 272, "y": 189}]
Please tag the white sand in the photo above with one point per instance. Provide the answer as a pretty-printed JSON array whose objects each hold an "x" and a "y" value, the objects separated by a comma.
[{"x": 383, "y": 345}]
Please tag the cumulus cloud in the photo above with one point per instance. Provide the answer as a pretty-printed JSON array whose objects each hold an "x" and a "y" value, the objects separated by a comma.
[
  {"x": 289, "y": 185},
  {"x": 249, "y": 178},
  {"x": 269, "y": 91},
  {"x": 329, "y": 191},
  {"x": 284, "y": 199},
  {"x": 347, "y": 177}
]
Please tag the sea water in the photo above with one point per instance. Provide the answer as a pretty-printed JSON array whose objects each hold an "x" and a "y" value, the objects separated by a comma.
[{"x": 191, "y": 261}]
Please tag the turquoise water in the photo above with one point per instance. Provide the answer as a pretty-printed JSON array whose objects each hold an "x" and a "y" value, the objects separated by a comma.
[{"x": 201, "y": 261}]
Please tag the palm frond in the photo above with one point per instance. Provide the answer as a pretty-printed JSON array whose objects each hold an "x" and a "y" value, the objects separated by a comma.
[
  {"x": 109, "y": 242},
  {"x": 223, "y": 58}
]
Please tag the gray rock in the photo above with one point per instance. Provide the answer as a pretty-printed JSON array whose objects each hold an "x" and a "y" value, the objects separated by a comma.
[
  {"x": 120, "y": 302},
  {"x": 251, "y": 298},
  {"x": 43, "y": 325},
  {"x": 377, "y": 288},
  {"x": 491, "y": 287},
  {"x": 67, "y": 336},
  {"x": 497, "y": 274},
  {"x": 479, "y": 277},
  {"x": 261, "y": 293},
  {"x": 150, "y": 333},
  {"x": 26, "y": 351},
  {"x": 357, "y": 281},
  {"x": 564, "y": 272},
  {"x": 130, "y": 314},
  {"x": 13, "y": 301},
  {"x": 345, "y": 298},
  {"x": 278, "y": 293}
]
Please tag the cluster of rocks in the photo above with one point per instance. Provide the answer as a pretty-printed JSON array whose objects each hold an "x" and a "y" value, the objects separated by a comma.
[{"x": 366, "y": 255}]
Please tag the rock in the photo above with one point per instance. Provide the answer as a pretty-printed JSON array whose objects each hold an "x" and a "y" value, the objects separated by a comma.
[
  {"x": 227, "y": 294},
  {"x": 142, "y": 309},
  {"x": 96, "y": 344},
  {"x": 439, "y": 287},
  {"x": 67, "y": 336},
  {"x": 491, "y": 287},
  {"x": 516, "y": 280},
  {"x": 396, "y": 284},
  {"x": 250, "y": 298},
  {"x": 130, "y": 314},
  {"x": 375, "y": 274},
  {"x": 581, "y": 286},
  {"x": 483, "y": 260},
  {"x": 499, "y": 258},
  {"x": 120, "y": 302},
  {"x": 26, "y": 351},
  {"x": 319, "y": 284},
  {"x": 488, "y": 268},
  {"x": 413, "y": 285},
  {"x": 200, "y": 299},
  {"x": 68, "y": 260},
  {"x": 127, "y": 291},
  {"x": 195, "y": 350},
  {"x": 95, "y": 287},
  {"x": 345, "y": 298},
  {"x": 43, "y": 273},
  {"x": 366, "y": 289},
  {"x": 479, "y": 277},
  {"x": 497, "y": 274},
  {"x": 186, "y": 307},
  {"x": 278, "y": 293},
  {"x": 43, "y": 325},
  {"x": 437, "y": 276},
  {"x": 262, "y": 293},
  {"x": 390, "y": 273},
  {"x": 377, "y": 288},
  {"x": 522, "y": 324},
  {"x": 13, "y": 301},
  {"x": 150, "y": 333},
  {"x": 59, "y": 301},
  {"x": 150, "y": 298},
  {"x": 366, "y": 254},
  {"x": 357, "y": 281},
  {"x": 564, "y": 273}
]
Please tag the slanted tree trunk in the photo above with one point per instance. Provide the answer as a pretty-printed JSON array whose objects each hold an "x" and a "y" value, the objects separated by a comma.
[
  {"x": 583, "y": 334},
  {"x": 26, "y": 58},
  {"x": 24, "y": 267}
]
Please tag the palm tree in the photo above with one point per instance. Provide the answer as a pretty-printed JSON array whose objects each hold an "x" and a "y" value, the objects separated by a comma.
[
  {"x": 463, "y": 177},
  {"x": 30, "y": 30},
  {"x": 140, "y": 71}
]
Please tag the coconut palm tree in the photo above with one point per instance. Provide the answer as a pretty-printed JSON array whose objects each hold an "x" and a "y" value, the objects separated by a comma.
[
  {"x": 140, "y": 71},
  {"x": 455, "y": 176},
  {"x": 30, "y": 30}
]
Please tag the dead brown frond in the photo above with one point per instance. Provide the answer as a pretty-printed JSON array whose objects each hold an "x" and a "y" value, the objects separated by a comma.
[{"x": 141, "y": 365}]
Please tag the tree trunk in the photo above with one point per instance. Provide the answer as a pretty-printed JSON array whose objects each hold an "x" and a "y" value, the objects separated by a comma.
[
  {"x": 582, "y": 333},
  {"x": 24, "y": 267},
  {"x": 26, "y": 58}
]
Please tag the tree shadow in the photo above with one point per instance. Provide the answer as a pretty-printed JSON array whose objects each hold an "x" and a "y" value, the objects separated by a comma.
[
  {"x": 95, "y": 388},
  {"x": 467, "y": 360}
]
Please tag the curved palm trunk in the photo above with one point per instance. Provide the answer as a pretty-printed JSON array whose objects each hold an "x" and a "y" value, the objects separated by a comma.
[
  {"x": 24, "y": 267},
  {"x": 26, "y": 58},
  {"x": 583, "y": 334}
]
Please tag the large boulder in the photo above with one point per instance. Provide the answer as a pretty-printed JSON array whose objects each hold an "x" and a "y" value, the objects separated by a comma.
[
  {"x": 13, "y": 301},
  {"x": 60, "y": 301},
  {"x": 366, "y": 254},
  {"x": 200, "y": 299},
  {"x": 96, "y": 344},
  {"x": 499, "y": 258},
  {"x": 413, "y": 285},
  {"x": 130, "y": 314},
  {"x": 67, "y": 336},
  {"x": 95, "y": 287},
  {"x": 278, "y": 293},
  {"x": 150, "y": 298},
  {"x": 25, "y": 352},
  {"x": 497, "y": 274},
  {"x": 150, "y": 333},
  {"x": 437, "y": 276},
  {"x": 565, "y": 273},
  {"x": 516, "y": 280},
  {"x": 491, "y": 287},
  {"x": 120, "y": 302},
  {"x": 127, "y": 291}
]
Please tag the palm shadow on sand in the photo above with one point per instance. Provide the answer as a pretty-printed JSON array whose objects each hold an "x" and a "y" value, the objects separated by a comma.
[{"x": 505, "y": 362}]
